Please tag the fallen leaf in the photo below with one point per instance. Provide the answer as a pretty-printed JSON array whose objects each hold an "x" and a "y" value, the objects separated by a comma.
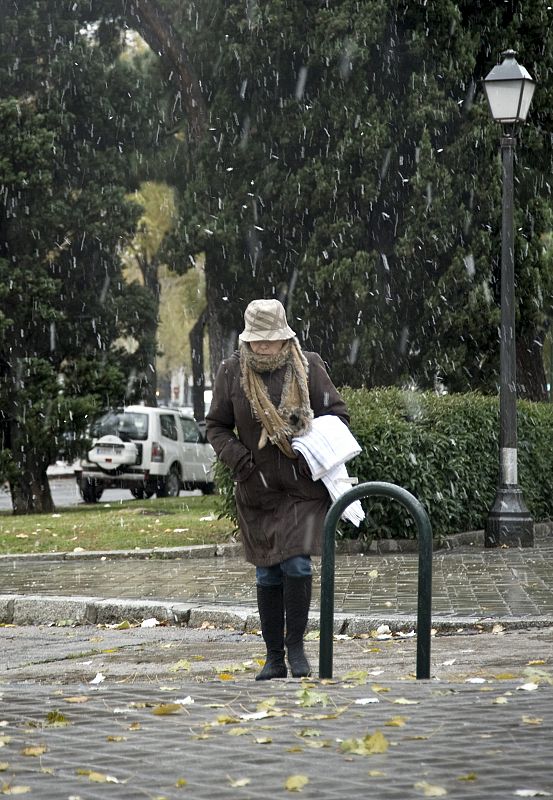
[
  {"x": 396, "y": 722},
  {"x": 180, "y": 666},
  {"x": 538, "y": 675},
  {"x": 180, "y": 783},
  {"x": 270, "y": 702},
  {"x": 96, "y": 777},
  {"x": 5, "y": 740},
  {"x": 312, "y": 636},
  {"x": 376, "y": 773},
  {"x": 308, "y": 698},
  {"x": 307, "y": 733},
  {"x": 238, "y": 731},
  {"x": 403, "y": 701},
  {"x": 318, "y": 744},
  {"x": 263, "y": 740},
  {"x": 471, "y": 776},
  {"x": 236, "y": 783},
  {"x": 225, "y": 676},
  {"x": 500, "y": 701},
  {"x": 295, "y": 783},
  {"x": 163, "y": 709},
  {"x": 358, "y": 676},
  {"x": 226, "y": 719},
  {"x": 528, "y": 687},
  {"x": 56, "y": 719},
  {"x": 135, "y": 726},
  {"x": 371, "y": 744},
  {"x": 80, "y": 698},
  {"x": 376, "y": 688},
  {"x": 430, "y": 790},
  {"x": 532, "y": 720},
  {"x": 34, "y": 750},
  {"x": 498, "y": 628},
  {"x": 13, "y": 789},
  {"x": 536, "y": 662}
]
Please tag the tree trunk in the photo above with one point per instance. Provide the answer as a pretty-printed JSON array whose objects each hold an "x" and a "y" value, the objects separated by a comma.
[
  {"x": 531, "y": 380},
  {"x": 150, "y": 270},
  {"x": 221, "y": 322},
  {"x": 30, "y": 491},
  {"x": 196, "y": 338},
  {"x": 147, "y": 17}
]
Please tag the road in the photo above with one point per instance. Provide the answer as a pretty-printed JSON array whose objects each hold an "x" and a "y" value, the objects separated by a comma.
[{"x": 65, "y": 492}]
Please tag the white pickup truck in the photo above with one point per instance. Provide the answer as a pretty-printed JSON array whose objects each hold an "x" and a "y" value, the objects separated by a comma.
[{"x": 147, "y": 450}]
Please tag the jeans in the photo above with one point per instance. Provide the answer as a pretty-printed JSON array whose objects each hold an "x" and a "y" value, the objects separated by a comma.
[{"x": 295, "y": 567}]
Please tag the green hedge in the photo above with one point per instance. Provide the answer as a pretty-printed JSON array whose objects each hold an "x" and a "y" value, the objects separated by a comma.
[{"x": 443, "y": 449}]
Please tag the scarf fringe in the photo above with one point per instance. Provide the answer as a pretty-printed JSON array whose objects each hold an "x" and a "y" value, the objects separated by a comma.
[{"x": 294, "y": 414}]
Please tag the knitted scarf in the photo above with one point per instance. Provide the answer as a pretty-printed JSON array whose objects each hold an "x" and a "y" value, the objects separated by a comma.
[{"x": 294, "y": 413}]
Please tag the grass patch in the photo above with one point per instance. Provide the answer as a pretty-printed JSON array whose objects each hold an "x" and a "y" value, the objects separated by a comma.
[{"x": 119, "y": 525}]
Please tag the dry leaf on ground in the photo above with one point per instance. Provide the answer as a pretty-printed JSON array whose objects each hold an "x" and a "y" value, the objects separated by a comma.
[
  {"x": 430, "y": 790},
  {"x": 295, "y": 783}
]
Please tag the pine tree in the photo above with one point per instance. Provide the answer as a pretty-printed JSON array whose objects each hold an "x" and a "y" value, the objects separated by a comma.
[{"x": 71, "y": 124}]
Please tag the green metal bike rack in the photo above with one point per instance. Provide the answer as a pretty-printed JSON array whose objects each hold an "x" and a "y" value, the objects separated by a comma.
[{"x": 424, "y": 603}]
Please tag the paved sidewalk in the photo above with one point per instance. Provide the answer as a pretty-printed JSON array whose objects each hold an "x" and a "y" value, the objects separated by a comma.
[
  {"x": 394, "y": 740},
  {"x": 91, "y": 712},
  {"x": 470, "y": 585}
]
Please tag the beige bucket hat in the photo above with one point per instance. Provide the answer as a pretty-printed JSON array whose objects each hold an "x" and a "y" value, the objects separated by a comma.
[{"x": 265, "y": 320}]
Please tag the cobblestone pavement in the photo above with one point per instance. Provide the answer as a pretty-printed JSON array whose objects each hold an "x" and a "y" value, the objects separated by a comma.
[
  {"x": 238, "y": 739},
  {"x": 466, "y": 581},
  {"x": 480, "y": 728}
]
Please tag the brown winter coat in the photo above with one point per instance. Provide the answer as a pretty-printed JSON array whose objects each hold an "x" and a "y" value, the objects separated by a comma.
[{"x": 281, "y": 512}]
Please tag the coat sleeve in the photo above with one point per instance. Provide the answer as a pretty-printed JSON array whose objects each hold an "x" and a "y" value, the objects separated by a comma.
[
  {"x": 325, "y": 397},
  {"x": 220, "y": 428}
]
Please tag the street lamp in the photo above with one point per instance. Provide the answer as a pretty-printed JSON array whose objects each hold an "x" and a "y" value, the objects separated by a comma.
[{"x": 509, "y": 89}]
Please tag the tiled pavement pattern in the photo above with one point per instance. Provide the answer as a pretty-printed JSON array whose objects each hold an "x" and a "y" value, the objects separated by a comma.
[
  {"x": 467, "y": 582},
  {"x": 472, "y": 741}
]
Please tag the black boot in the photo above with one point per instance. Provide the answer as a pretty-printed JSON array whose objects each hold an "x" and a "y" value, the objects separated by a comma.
[
  {"x": 271, "y": 615},
  {"x": 297, "y": 599}
]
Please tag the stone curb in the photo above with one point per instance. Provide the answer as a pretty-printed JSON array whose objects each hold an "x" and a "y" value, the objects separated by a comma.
[
  {"x": 18, "y": 609},
  {"x": 234, "y": 550}
]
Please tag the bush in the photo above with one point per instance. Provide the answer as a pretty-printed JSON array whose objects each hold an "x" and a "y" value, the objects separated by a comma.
[{"x": 444, "y": 450}]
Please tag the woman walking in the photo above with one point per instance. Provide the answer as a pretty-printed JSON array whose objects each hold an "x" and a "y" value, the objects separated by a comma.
[{"x": 265, "y": 394}]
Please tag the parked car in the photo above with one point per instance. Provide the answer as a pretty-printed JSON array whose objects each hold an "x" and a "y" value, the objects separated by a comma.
[{"x": 147, "y": 450}]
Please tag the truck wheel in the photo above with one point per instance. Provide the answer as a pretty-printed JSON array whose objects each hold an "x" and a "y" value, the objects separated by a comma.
[
  {"x": 90, "y": 491},
  {"x": 170, "y": 485},
  {"x": 141, "y": 494}
]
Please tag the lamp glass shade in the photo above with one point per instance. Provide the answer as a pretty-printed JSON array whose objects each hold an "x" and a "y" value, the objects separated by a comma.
[{"x": 509, "y": 89}]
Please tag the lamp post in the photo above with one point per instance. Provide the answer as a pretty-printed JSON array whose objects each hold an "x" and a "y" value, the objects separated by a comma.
[{"x": 509, "y": 89}]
